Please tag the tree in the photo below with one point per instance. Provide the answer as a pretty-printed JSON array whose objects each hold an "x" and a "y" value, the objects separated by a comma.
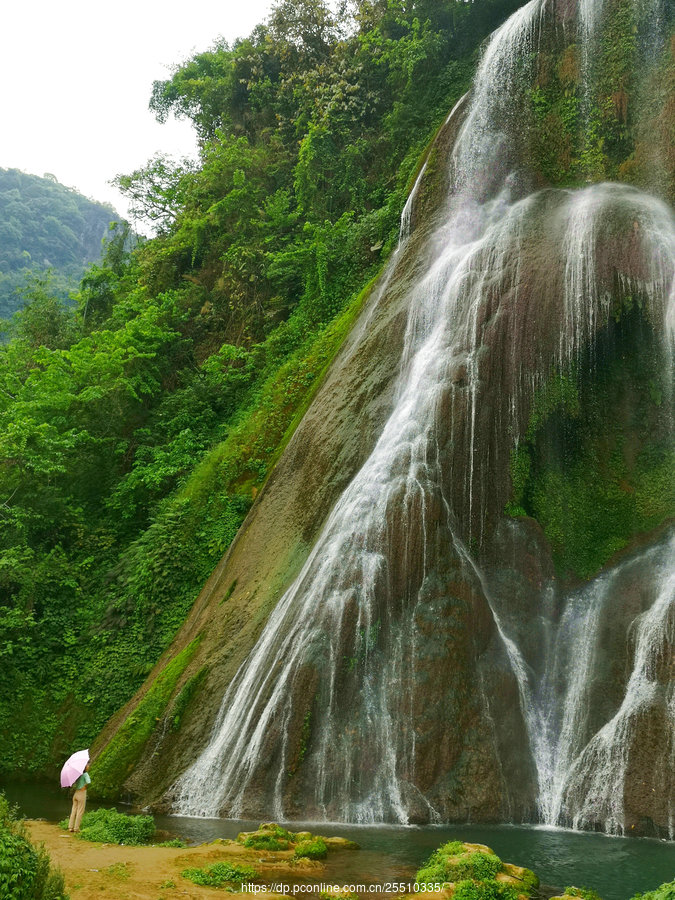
[{"x": 156, "y": 192}]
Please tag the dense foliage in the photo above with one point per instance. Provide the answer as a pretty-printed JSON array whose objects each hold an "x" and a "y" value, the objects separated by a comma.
[
  {"x": 25, "y": 870},
  {"x": 664, "y": 892},
  {"x": 137, "y": 427},
  {"x": 107, "y": 826},
  {"x": 45, "y": 226}
]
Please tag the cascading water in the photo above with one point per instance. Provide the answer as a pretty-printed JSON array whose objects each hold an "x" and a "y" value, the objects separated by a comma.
[
  {"x": 333, "y": 685},
  {"x": 582, "y": 771}
]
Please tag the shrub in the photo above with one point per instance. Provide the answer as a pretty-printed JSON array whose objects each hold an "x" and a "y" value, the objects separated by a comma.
[
  {"x": 665, "y": 892},
  {"x": 220, "y": 874},
  {"x": 107, "y": 826},
  {"x": 314, "y": 849},
  {"x": 25, "y": 870},
  {"x": 484, "y": 890}
]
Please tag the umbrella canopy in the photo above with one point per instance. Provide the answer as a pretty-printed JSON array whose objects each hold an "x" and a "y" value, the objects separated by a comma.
[{"x": 73, "y": 767}]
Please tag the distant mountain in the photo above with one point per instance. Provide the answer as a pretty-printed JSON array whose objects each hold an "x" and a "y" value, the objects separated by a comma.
[{"x": 45, "y": 225}]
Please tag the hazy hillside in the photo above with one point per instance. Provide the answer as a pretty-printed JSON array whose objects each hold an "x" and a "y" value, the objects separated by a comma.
[{"x": 45, "y": 225}]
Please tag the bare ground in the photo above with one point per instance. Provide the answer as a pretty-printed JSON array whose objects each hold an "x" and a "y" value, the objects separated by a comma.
[{"x": 95, "y": 871}]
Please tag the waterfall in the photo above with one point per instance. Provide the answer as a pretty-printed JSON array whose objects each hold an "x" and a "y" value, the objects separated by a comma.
[
  {"x": 336, "y": 658},
  {"x": 583, "y": 774},
  {"x": 596, "y": 781}
]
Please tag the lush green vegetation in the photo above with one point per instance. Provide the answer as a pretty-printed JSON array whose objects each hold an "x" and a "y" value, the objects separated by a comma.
[
  {"x": 45, "y": 226},
  {"x": 664, "y": 892},
  {"x": 609, "y": 119},
  {"x": 25, "y": 870},
  {"x": 596, "y": 465},
  {"x": 473, "y": 872},
  {"x": 124, "y": 750},
  {"x": 138, "y": 425},
  {"x": 273, "y": 837},
  {"x": 107, "y": 826},
  {"x": 220, "y": 874},
  {"x": 313, "y": 849}
]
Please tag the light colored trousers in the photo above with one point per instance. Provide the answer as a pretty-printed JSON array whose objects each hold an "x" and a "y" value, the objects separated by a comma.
[{"x": 79, "y": 803}]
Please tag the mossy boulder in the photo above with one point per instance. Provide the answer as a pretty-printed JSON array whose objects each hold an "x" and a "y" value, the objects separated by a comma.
[
  {"x": 303, "y": 844},
  {"x": 314, "y": 849},
  {"x": 474, "y": 872},
  {"x": 339, "y": 843},
  {"x": 269, "y": 836}
]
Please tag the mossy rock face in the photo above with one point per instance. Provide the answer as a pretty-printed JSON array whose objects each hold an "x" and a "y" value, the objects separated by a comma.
[
  {"x": 597, "y": 466},
  {"x": 113, "y": 764},
  {"x": 474, "y": 872},
  {"x": 609, "y": 119}
]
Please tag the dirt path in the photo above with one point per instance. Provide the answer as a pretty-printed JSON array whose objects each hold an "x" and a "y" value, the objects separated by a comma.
[{"x": 95, "y": 871}]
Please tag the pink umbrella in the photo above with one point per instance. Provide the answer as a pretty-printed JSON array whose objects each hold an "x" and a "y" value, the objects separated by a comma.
[{"x": 74, "y": 767}]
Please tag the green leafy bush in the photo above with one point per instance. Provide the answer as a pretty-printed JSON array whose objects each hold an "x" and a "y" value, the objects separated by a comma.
[
  {"x": 25, "y": 870},
  {"x": 314, "y": 849},
  {"x": 484, "y": 890},
  {"x": 220, "y": 874},
  {"x": 107, "y": 826},
  {"x": 665, "y": 891}
]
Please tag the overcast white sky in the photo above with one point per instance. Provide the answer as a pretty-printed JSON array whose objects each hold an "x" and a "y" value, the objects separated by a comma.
[{"x": 76, "y": 78}]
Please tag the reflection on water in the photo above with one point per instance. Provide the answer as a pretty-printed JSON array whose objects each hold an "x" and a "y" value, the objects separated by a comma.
[{"x": 616, "y": 868}]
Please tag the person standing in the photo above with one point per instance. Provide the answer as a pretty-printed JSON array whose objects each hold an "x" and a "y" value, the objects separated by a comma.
[{"x": 79, "y": 800}]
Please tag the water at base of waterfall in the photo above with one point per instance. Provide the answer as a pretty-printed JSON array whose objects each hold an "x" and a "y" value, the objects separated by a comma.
[{"x": 614, "y": 867}]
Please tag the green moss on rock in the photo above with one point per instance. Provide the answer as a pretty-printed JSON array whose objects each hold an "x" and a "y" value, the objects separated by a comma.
[
  {"x": 113, "y": 765},
  {"x": 596, "y": 466},
  {"x": 476, "y": 873}
]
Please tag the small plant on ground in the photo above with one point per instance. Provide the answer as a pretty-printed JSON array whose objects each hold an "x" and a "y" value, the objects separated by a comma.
[
  {"x": 269, "y": 836},
  {"x": 119, "y": 870},
  {"x": 220, "y": 874}
]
